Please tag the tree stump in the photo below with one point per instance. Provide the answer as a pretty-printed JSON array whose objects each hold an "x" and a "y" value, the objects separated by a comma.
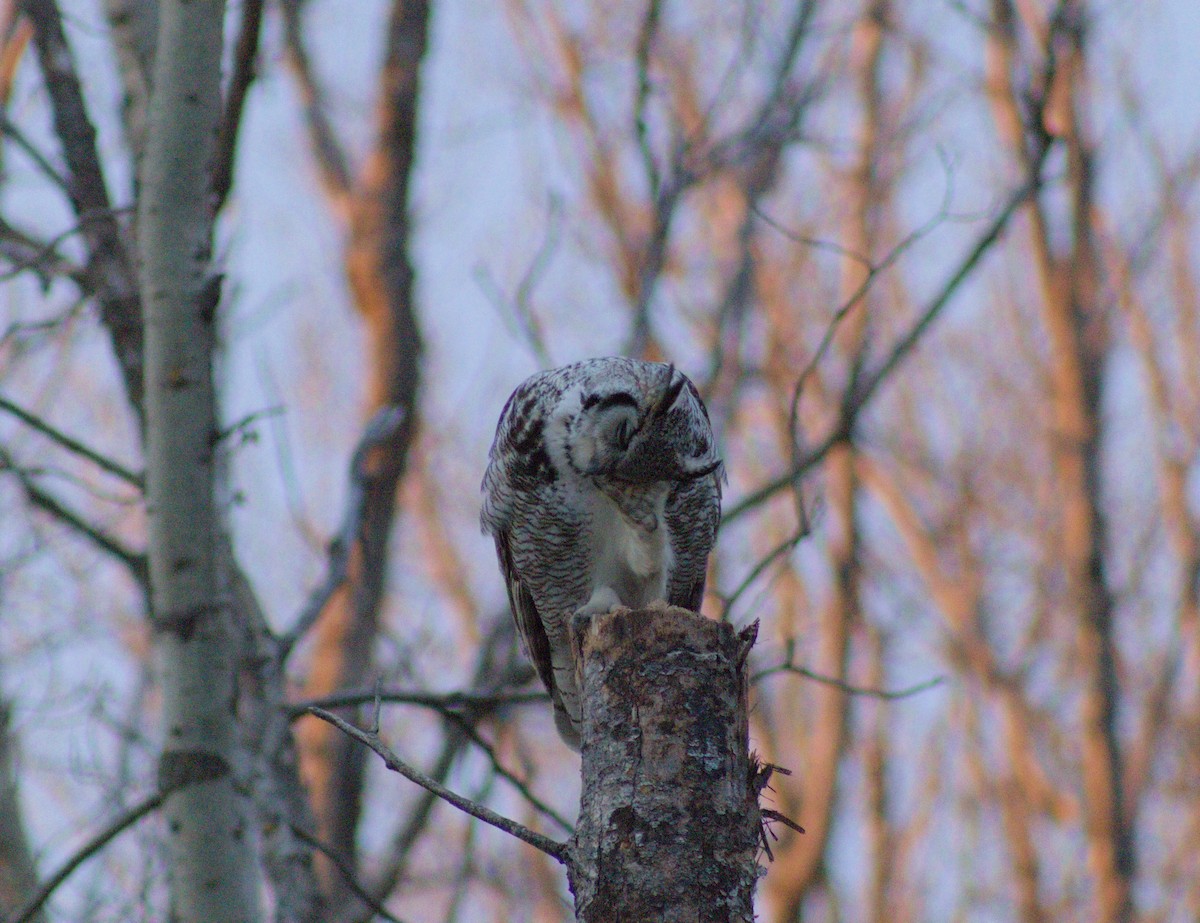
[{"x": 669, "y": 822}]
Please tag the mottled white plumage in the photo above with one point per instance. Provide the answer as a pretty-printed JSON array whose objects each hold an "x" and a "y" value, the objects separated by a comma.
[{"x": 603, "y": 488}]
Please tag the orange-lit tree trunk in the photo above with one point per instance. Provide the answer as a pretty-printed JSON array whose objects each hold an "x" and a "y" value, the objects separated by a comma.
[
  {"x": 381, "y": 281},
  {"x": 1077, "y": 328},
  {"x": 800, "y": 857}
]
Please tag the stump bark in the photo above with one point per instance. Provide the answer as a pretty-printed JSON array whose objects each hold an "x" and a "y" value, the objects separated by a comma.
[{"x": 669, "y": 822}]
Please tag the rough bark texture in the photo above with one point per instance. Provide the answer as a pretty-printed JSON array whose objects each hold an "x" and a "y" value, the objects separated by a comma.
[
  {"x": 212, "y": 873},
  {"x": 668, "y": 821}
]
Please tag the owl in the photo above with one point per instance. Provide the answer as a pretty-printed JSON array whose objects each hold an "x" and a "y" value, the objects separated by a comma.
[{"x": 603, "y": 488}]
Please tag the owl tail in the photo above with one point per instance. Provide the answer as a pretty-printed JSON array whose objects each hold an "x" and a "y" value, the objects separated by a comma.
[
  {"x": 568, "y": 730},
  {"x": 566, "y": 704}
]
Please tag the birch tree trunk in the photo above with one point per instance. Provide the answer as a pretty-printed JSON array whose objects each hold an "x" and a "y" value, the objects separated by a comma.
[
  {"x": 668, "y": 819},
  {"x": 210, "y": 865}
]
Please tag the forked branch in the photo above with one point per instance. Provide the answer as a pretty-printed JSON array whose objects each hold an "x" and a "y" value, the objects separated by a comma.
[{"x": 371, "y": 739}]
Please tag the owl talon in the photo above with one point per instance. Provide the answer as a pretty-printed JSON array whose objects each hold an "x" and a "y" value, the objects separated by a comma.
[
  {"x": 580, "y": 622},
  {"x": 604, "y": 599}
]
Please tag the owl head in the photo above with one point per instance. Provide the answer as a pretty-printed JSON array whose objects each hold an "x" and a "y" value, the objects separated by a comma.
[{"x": 640, "y": 429}]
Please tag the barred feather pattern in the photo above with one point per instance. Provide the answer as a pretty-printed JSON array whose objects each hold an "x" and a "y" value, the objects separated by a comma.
[{"x": 603, "y": 488}]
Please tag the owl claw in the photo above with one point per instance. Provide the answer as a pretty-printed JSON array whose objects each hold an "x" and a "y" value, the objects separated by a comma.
[
  {"x": 604, "y": 599},
  {"x": 579, "y": 624}
]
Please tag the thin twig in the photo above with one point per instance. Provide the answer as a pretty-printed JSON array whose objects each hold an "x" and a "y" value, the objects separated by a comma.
[
  {"x": 520, "y": 304},
  {"x": 867, "y": 387},
  {"x": 379, "y": 429},
  {"x": 848, "y": 688},
  {"x": 48, "y": 503},
  {"x": 71, "y": 444},
  {"x": 12, "y": 131},
  {"x": 503, "y": 772},
  {"x": 856, "y": 298},
  {"x": 27, "y": 254},
  {"x": 122, "y": 822},
  {"x": 47, "y": 251},
  {"x": 756, "y": 571},
  {"x": 559, "y": 851},
  {"x": 245, "y": 56},
  {"x": 450, "y": 704},
  {"x": 241, "y": 426},
  {"x": 347, "y": 873},
  {"x": 496, "y": 668},
  {"x": 906, "y": 343}
]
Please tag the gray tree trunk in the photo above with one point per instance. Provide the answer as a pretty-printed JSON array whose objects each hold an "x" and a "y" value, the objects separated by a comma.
[
  {"x": 18, "y": 876},
  {"x": 669, "y": 823},
  {"x": 212, "y": 873}
]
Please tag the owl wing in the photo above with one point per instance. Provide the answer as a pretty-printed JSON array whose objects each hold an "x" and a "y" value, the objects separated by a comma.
[
  {"x": 534, "y": 637},
  {"x": 529, "y": 622},
  {"x": 693, "y": 513}
]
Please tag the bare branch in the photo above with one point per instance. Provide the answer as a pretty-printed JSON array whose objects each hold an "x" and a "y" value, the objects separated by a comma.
[
  {"x": 450, "y": 704},
  {"x": 47, "y": 503},
  {"x": 347, "y": 874},
  {"x": 108, "y": 259},
  {"x": 503, "y": 772},
  {"x": 520, "y": 305},
  {"x": 11, "y": 130},
  {"x": 857, "y": 401},
  {"x": 242, "y": 427},
  {"x": 873, "y": 270},
  {"x": 27, "y": 254},
  {"x": 18, "y": 874},
  {"x": 121, "y": 822},
  {"x": 645, "y": 41},
  {"x": 496, "y": 668},
  {"x": 654, "y": 255},
  {"x": 790, "y": 666},
  {"x": 379, "y": 430},
  {"x": 905, "y": 344},
  {"x": 756, "y": 571},
  {"x": 72, "y": 445},
  {"x": 332, "y": 162},
  {"x": 559, "y": 851},
  {"x": 245, "y": 56}
]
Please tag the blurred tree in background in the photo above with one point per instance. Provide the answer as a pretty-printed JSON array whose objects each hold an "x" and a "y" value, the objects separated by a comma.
[{"x": 933, "y": 266}]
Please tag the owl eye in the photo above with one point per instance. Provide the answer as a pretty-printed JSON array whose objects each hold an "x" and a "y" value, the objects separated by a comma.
[
  {"x": 623, "y": 432},
  {"x": 616, "y": 399}
]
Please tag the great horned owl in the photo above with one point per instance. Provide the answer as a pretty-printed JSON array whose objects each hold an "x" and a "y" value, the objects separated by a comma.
[{"x": 603, "y": 488}]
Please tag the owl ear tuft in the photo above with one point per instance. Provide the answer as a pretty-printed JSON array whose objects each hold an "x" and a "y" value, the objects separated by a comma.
[{"x": 669, "y": 390}]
